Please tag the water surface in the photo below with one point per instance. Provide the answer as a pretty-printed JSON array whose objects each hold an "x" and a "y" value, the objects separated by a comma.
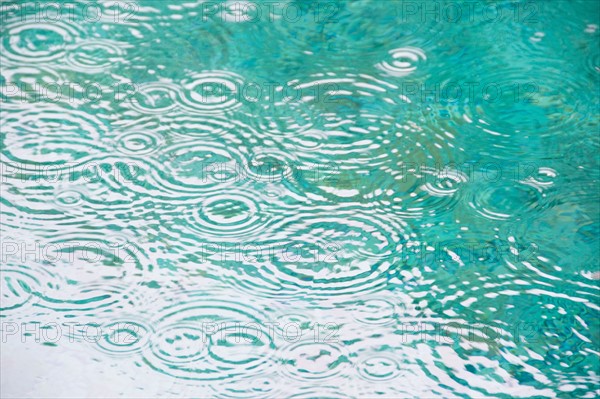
[{"x": 354, "y": 199}]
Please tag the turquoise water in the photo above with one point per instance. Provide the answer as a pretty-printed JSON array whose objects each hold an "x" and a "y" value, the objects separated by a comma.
[{"x": 354, "y": 199}]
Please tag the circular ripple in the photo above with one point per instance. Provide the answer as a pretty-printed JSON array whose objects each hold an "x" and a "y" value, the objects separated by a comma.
[
  {"x": 180, "y": 344},
  {"x": 92, "y": 258},
  {"x": 506, "y": 201},
  {"x": 543, "y": 178},
  {"x": 340, "y": 98},
  {"x": 123, "y": 337},
  {"x": 321, "y": 255},
  {"x": 533, "y": 243},
  {"x": 260, "y": 386},
  {"x": 309, "y": 141},
  {"x": 379, "y": 368},
  {"x": 70, "y": 198},
  {"x": 444, "y": 184},
  {"x": 416, "y": 191},
  {"x": 31, "y": 83},
  {"x": 403, "y": 61},
  {"x": 507, "y": 111},
  {"x": 302, "y": 325},
  {"x": 37, "y": 42},
  {"x": 94, "y": 55},
  {"x": 240, "y": 345},
  {"x": 208, "y": 340},
  {"x": 90, "y": 299},
  {"x": 212, "y": 92},
  {"x": 20, "y": 285},
  {"x": 282, "y": 115},
  {"x": 374, "y": 311},
  {"x": 195, "y": 167},
  {"x": 312, "y": 361},
  {"x": 235, "y": 214},
  {"x": 326, "y": 392},
  {"x": 155, "y": 98},
  {"x": 270, "y": 165},
  {"x": 192, "y": 125},
  {"x": 51, "y": 137},
  {"x": 344, "y": 166},
  {"x": 274, "y": 191},
  {"x": 366, "y": 236},
  {"x": 119, "y": 241},
  {"x": 138, "y": 142}
]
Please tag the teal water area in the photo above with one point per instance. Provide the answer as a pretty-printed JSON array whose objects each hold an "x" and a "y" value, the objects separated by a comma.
[{"x": 295, "y": 199}]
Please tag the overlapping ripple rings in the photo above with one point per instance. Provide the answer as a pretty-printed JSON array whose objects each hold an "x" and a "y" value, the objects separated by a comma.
[
  {"x": 212, "y": 92},
  {"x": 249, "y": 199},
  {"x": 37, "y": 42},
  {"x": 30, "y": 136},
  {"x": 209, "y": 339},
  {"x": 346, "y": 254},
  {"x": 403, "y": 61}
]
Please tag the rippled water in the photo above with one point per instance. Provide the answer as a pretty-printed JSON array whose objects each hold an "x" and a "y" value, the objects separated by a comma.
[{"x": 351, "y": 199}]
